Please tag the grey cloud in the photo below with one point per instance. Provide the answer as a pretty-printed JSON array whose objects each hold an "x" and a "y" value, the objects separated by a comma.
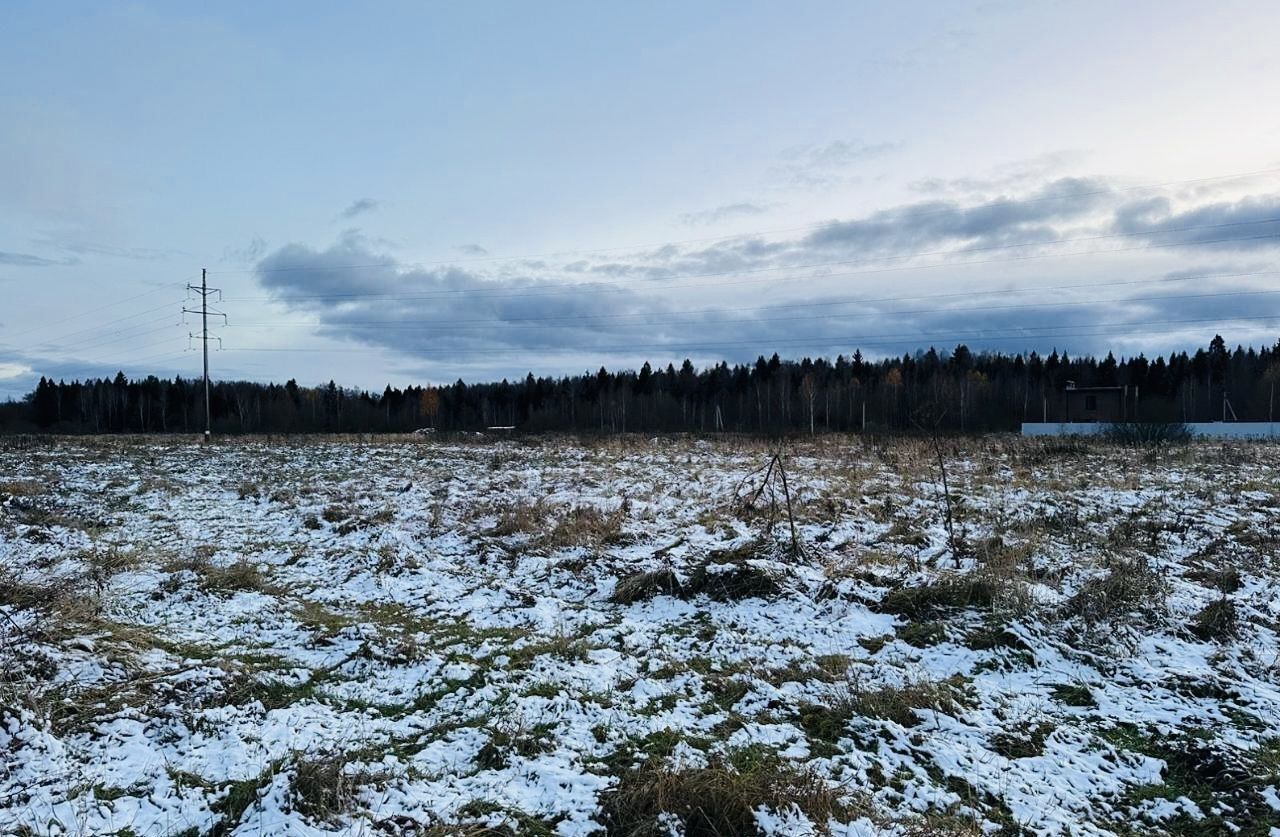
[
  {"x": 741, "y": 209},
  {"x": 27, "y": 260},
  {"x": 33, "y": 366},
  {"x": 1015, "y": 175},
  {"x": 619, "y": 301},
  {"x": 926, "y": 226},
  {"x": 459, "y": 317},
  {"x": 449, "y": 310},
  {"x": 359, "y": 207},
  {"x": 472, "y": 250},
  {"x": 1249, "y": 223},
  {"x": 1063, "y": 208}
]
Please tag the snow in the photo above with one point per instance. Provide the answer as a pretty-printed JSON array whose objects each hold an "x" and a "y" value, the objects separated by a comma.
[{"x": 470, "y": 675}]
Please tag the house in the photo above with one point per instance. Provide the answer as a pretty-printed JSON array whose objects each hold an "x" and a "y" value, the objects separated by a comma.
[{"x": 1094, "y": 404}]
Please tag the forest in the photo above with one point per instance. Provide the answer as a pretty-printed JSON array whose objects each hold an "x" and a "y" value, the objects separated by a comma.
[{"x": 957, "y": 390}]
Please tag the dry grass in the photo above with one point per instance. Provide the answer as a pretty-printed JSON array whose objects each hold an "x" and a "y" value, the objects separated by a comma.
[
  {"x": 898, "y": 703},
  {"x": 238, "y": 576},
  {"x": 322, "y": 788},
  {"x": 60, "y": 602},
  {"x": 1218, "y": 621},
  {"x": 552, "y": 528},
  {"x": 520, "y": 519},
  {"x": 719, "y": 799},
  {"x": 21, "y": 488},
  {"x": 645, "y": 585},
  {"x": 586, "y": 526},
  {"x": 731, "y": 582},
  {"x": 1130, "y": 586},
  {"x": 946, "y": 594}
]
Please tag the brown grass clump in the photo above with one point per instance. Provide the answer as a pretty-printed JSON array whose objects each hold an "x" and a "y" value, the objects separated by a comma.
[
  {"x": 20, "y": 488},
  {"x": 520, "y": 519},
  {"x": 898, "y": 703},
  {"x": 586, "y": 526},
  {"x": 929, "y": 600},
  {"x": 1130, "y": 586},
  {"x": 322, "y": 788},
  {"x": 731, "y": 582},
  {"x": 62, "y": 602},
  {"x": 1218, "y": 621},
  {"x": 718, "y": 799},
  {"x": 645, "y": 585},
  {"x": 238, "y": 576}
]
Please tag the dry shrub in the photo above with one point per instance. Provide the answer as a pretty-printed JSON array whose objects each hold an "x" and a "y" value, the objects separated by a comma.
[
  {"x": 20, "y": 488},
  {"x": 645, "y": 585},
  {"x": 1218, "y": 621},
  {"x": 335, "y": 513},
  {"x": 949, "y": 593},
  {"x": 520, "y": 519},
  {"x": 718, "y": 799},
  {"x": 1130, "y": 586},
  {"x": 727, "y": 575},
  {"x": 237, "y": 576},
  {"x": 731, "y": 582},
  {"x": 322, "y": 788},
  {"x": 586, "y": 526}
]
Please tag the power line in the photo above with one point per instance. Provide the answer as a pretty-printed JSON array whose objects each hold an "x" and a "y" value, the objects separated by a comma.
[
  {"x": 907, "y": 216},
  {"x": 94, "y": 310},
  {"x": 114, "y": 337},
  {"x": 97, "y": 328}
]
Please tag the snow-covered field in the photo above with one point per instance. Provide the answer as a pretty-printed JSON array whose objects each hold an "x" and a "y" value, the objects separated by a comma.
[{"x": 554, "y": 637}]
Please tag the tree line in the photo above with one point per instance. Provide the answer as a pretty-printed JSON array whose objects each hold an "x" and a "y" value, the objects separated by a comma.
[{"x": 962, "y": 390}]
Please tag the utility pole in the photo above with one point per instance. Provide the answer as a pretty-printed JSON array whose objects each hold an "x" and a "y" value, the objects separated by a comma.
[{"x": 204, "y": 290}]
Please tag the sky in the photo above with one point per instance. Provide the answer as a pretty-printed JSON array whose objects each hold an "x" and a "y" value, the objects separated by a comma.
[{"x": 409, "y": 193}]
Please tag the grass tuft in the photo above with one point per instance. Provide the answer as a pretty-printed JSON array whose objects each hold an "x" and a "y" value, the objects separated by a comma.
[
  {"x": 929, "y": 600},
  {"x": 1130, "y": 586},
  {"x": 322, "y": 788},
  {"x": 719, "y": 799},
  {"x": 645, "y": 585},
  {"x": 1217, "y": 622}
]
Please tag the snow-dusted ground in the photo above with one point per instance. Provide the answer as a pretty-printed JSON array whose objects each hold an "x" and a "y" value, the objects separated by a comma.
[{"x": 423, "y": 638}]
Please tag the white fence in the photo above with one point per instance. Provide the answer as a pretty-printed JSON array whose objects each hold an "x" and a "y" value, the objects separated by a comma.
[{"x": 1205, "y": 429}]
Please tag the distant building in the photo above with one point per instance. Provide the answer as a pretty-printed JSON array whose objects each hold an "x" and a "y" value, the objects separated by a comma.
[{"x": 1094, "y": 404}]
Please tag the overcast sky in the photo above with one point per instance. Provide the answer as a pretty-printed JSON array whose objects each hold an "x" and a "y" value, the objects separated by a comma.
[{"x": 413, "y": 192}]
